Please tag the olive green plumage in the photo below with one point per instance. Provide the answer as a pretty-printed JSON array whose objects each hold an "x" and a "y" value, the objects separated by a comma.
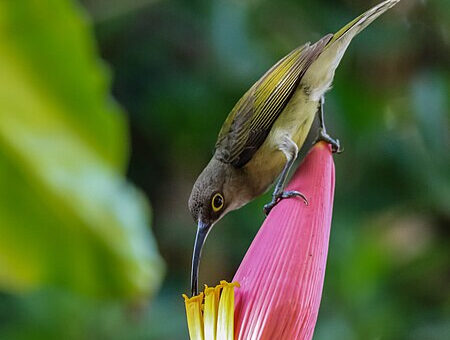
[
  {"x": 263, "y": 132},
  {"x": 250, "y": 121}
]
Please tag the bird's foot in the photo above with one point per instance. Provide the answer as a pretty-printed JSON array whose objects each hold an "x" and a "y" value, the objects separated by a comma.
[
  {"x": 284, "y": 194},
  {"x": 324, "y": 136}
]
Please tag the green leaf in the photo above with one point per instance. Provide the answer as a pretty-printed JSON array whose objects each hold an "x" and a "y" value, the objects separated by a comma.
[{"x": 68, "y": 217}]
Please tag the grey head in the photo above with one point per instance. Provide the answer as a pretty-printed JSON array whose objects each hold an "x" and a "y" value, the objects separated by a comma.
[{"x": 219, "y": 189}]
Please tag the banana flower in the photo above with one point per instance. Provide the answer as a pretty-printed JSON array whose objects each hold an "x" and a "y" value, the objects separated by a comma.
[{"x": 281, "y": 276}]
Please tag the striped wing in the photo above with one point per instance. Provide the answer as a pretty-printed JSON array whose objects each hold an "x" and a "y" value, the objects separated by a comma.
[{"x": 250, "y": 121}]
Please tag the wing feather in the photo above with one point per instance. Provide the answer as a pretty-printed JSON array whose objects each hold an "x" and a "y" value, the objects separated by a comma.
[{"x": 250, "y": 121}]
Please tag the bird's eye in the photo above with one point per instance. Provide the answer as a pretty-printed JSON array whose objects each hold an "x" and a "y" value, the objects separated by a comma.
[{"x": 217, "y": 202}]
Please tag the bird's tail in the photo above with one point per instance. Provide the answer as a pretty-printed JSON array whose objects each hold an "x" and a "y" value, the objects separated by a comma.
[
  {"x": 320, "y": 74},
  {"x": 361, "y": 22}
]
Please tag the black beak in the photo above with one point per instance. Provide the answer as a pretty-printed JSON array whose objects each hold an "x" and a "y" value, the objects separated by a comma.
[{"x": 202, "y": 233}]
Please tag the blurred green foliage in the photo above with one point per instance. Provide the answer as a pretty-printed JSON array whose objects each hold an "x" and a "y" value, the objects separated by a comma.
[
  {"x": 179, "y": 67},
  {"x": 68, "y": 217}
]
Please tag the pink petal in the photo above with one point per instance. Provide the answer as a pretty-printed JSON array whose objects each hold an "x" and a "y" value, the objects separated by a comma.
[{"x": 283, "y": 271}]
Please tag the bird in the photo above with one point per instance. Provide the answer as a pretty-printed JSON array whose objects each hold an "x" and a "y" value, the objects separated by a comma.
[{"x": 260, "y": 138}]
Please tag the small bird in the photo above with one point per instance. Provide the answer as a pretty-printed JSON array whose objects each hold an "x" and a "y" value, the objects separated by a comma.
[{"x": 261, "y": 136}]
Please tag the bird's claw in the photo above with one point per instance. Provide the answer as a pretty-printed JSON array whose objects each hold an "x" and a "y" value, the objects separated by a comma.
[
  {"x": 335, "y": 144},
  {"x": 284, "y": 194}
]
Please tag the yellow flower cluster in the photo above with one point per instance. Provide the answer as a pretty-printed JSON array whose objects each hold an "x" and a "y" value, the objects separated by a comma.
[{"x": 210, "y": 314}]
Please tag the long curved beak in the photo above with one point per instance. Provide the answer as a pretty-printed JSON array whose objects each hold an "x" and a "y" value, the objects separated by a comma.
[{"x": 202, "y": 232}]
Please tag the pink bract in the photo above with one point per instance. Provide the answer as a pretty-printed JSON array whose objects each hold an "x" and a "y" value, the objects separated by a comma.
[{"x": 282, "y": 274}]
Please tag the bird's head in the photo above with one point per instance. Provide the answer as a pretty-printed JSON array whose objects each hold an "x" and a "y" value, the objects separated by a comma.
[
  {"x": 218, "y": 190},
  {"x": 207, "y": 202}
]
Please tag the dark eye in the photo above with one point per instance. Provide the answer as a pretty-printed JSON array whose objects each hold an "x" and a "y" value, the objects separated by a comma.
[{"x": 217, "y": 202}]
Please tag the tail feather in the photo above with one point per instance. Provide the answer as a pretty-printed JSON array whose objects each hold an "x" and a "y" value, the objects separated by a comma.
[
  {"x": 364, "y": 20},
  {"x": 320, "y": 74}
]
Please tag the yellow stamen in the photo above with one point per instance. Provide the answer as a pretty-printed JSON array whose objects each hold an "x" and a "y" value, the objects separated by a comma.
[
  {"x": 194, "y": 316},
  {"x": 210, "y": 315},
  {"x": 225, "y": 322},
  {"x": 212, "y": 296}
]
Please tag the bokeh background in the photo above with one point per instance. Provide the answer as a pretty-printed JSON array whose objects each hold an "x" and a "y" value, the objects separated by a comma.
[{"x": 82, "y": 254}]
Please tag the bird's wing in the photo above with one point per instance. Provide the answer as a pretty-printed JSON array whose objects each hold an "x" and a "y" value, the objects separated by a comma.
[{"x": 250, "y": 121}]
